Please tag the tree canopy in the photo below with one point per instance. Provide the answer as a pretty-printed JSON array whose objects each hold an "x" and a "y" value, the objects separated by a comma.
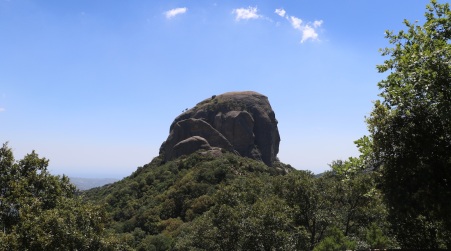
[
  {"x": 40, "y": 211},
  {"x": 227, "y": 202},
  {"x": 411, "y": 130}
]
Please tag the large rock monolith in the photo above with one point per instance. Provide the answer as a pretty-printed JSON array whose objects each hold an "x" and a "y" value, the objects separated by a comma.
[{"x": 239, "y": 122}]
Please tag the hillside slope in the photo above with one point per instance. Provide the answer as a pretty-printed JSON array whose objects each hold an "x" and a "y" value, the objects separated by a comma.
[
  {"x": 227, "y": 202},
  {"x": 163, "y": 198},
  {"x": 218, "y": 185}
]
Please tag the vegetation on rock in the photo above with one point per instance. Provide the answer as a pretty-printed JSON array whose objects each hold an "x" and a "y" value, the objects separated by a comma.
[{"x": 239, "y": 122}]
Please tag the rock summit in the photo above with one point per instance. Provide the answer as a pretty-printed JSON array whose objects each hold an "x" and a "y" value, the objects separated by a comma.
[{"x": 239, "y": 122}]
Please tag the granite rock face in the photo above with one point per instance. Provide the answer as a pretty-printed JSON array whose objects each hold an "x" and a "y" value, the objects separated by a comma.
[
  {"x": 190, "y": 145},
  {"x": 239, "y": 122}
]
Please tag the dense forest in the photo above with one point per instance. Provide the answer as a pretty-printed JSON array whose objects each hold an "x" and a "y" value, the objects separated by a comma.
[{"x": 396, "y": 194}]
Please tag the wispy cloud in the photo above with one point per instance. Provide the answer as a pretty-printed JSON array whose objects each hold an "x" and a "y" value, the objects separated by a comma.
[
  {"x": 2, "y": 109},
  {"x": 174, "y": 12},
  {"x": 308, "y": 30},
  {"x": 296, "y": 22},
  {"x": 280, "y": 12},
  {"x": 317, "y": 24},
  {"x": 246, "y": 13}
]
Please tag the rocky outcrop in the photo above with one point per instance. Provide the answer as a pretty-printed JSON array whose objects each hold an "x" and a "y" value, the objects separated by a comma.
[
  {"x": 188, "y": 128},
  {"x": 190, "y": 145},
  {"x": 239, "y": 122}
]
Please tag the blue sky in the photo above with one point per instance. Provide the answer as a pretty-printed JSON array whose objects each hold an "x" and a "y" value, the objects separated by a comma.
[{"x": 94, "y": 85}]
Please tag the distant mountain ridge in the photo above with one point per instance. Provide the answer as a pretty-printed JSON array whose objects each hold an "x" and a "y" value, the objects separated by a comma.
[{"x": 88, "y": 183}]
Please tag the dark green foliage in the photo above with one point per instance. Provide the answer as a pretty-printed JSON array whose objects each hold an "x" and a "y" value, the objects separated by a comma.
[
  {"x": 335, "y": 241},
  {"x": 200, "y": 202},
  {"x": 246, "y": 216},
  {"x": 161, "y": 197},
  {"x": 411, "y": 130},
  {"x": 350, "y": 203},
  {"x": 155, "y": 243},
  {"x": 376, "y": 238},
  {"x": 197, "y": 202},
  {"x": 39, "y": 211}
]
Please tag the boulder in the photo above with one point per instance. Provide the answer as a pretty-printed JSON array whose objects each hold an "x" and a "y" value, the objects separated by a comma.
[
  {"x": 187, "y": 128},
  {"x": 240, "y": 122},
  {"x": 190, "y": 145}
]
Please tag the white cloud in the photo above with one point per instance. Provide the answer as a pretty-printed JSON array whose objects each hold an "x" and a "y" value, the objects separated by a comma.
[
  {"x": 280, "y": 12},
  {"x": 246, "y": 13},
  {"x": 174, "y": 12},
  {"x": 317, "y": 23},
  {"x": 296, "y": 22},
  {"x": 308, "y": 30},
  {"x": 2, "y": 109}
]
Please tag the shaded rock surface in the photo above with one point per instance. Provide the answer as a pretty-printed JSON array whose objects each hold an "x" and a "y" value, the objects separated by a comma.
[
  {"x": 191, "y": 145},
  {"x": 239, "y": 122}
]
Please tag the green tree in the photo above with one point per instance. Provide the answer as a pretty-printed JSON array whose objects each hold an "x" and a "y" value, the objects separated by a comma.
[
  {"x": 376, "y": 238},
  {"x": 39, "y": 211},
  {"x": 310, "y": 200},
  {"x": 246, "y": 216},
  {"x": 411, "y": 130},
  {"x": 335, "y": 241}
]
